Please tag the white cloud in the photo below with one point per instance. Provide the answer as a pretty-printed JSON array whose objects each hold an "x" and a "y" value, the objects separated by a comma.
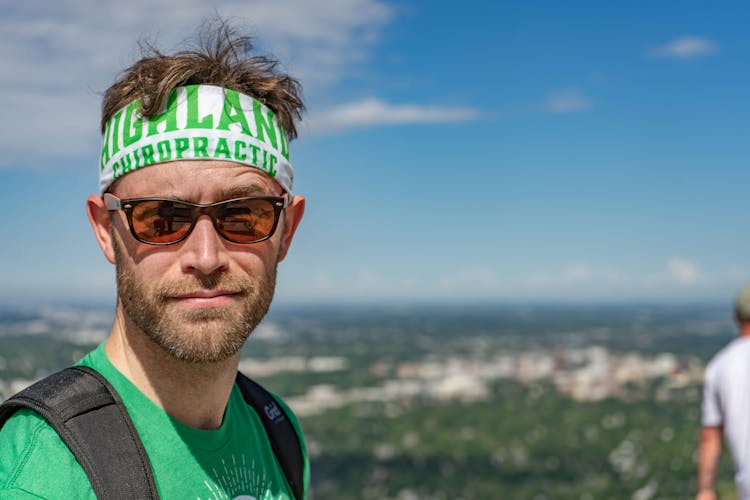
[
  {"x": 668, "y": 280},
  {"x": 574, "y": 274},
  {"x": 567, "y": 101},
  {"x": 57, "y": 56},
  {"x": 683, "y": 270},
  {"x": 582, "y": 277},
  {"x": 686, "y": 47},
  {"x": 370, "y": 112},
  {"x": 577, "y": 272},
  {"x": 319, "y": 40},
  {"x": 470, "y": 280}
]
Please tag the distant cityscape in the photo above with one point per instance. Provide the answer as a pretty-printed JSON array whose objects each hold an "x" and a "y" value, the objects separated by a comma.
[
  {"x": 591, "y": 373},
  {"x": 588, "y": 374}
]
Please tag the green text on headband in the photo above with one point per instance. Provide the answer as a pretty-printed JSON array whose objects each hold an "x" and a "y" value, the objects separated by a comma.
[{"x": 200, "y": 122}]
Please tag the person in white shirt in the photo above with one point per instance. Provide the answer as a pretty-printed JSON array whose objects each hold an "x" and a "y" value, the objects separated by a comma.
[{"x": 726, "y": 408}]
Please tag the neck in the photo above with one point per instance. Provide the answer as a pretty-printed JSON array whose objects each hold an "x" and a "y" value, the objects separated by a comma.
[
  {"x": 194, "y": 393},
  {"x": 744, "y": 329}
]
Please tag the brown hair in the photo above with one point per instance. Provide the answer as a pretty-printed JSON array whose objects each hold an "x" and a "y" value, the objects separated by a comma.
[{"x": 220, "y": 58}]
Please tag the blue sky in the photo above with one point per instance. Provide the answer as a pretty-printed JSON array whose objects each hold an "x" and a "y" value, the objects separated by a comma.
[{"x": 507, "y": 151}]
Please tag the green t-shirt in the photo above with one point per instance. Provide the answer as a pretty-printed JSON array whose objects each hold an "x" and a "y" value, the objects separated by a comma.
[{"x": 234, "y": 461}]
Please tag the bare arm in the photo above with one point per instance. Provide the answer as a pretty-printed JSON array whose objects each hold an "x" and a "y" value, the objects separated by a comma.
[{"x": 708, "y": 461}]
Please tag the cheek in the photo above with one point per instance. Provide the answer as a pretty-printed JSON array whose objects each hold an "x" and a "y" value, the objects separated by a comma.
[
  {"x": 254, "y": 263},
  {"x": 142, "y": 265},
  {"x": 141, "y": 258}
]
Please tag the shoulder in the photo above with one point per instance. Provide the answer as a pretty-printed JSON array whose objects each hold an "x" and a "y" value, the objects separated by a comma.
[
  {"x": 29, "y": 450},
  {"x": 261, "y": 398},
  {"x": 287, "y": 410},
  {"x": 19, "y": 438},
  {"x": 302, "y": 443},
  {"x": 295, "y": 424},
  {"x": 294, "y": 420},
  {"x": 738, "y": 348},
  {"x": 730, "y": 363},
  {"x": 18, "y": 494}
]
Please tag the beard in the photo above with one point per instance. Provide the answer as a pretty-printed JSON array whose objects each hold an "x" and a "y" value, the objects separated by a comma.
[{"x": 206, "y": 335}]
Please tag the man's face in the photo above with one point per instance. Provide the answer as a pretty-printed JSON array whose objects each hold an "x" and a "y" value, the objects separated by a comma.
[{"x": 198, "y": 299}]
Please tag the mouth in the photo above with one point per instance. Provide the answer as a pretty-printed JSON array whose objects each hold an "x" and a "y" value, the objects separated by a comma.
[{"x": 206, "y": 298}]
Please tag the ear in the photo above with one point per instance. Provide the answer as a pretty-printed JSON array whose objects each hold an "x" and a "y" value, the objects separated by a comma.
[
  {"x": 100, "y": 223},
  {"x": 292, "y": 217}
]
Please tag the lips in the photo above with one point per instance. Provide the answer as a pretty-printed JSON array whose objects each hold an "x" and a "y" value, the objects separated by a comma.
[
  {"x": 206, "y": 294},
  {"x": 206, "y": 298}
]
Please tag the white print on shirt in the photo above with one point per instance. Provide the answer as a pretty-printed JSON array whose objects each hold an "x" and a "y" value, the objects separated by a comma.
[{"x": 237, "y": 480}]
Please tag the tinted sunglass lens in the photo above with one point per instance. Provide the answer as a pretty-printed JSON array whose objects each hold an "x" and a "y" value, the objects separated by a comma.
[
  {"x": 246, "y": 221},
  {"x": 161, "y": 221}
]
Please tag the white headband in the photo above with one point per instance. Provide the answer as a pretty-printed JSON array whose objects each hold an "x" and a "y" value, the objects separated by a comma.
[{"x": 199, "y": 122}]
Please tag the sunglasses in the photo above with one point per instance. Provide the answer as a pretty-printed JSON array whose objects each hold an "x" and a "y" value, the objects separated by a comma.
[{"x": 161, "y": 221}]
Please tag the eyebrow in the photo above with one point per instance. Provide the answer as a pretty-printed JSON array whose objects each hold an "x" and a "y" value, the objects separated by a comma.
[
  {"x": 244, "y": 191},
  {"x": 229, "y": 193}
]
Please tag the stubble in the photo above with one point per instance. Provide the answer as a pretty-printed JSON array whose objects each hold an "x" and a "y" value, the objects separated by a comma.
[{"x": 205, "y": 335}]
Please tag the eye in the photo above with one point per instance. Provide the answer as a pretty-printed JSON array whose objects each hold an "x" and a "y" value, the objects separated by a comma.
[
  {"x": 236, "y": 211},
  {"x": 177, "y": 212}
]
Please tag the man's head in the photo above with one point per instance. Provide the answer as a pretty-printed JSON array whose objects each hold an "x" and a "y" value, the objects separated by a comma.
[
  {"x": 175, "y": 93},
  {"x": 742, "y": 306},
  {"x": 197, "y": 209}
]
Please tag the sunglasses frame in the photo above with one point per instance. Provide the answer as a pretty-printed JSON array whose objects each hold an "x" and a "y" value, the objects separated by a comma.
[{"x": 113, "y": 203}]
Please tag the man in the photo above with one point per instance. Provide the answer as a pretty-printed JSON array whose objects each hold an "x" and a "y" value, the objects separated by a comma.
[
  {"x": 195, "y": 212},
  {"x": 726, "y": 408}
]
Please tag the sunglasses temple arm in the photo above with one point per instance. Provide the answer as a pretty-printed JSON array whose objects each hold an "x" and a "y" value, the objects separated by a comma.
[{"x": 112, "y": 202}]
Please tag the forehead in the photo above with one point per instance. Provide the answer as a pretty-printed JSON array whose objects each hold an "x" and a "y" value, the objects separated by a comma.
[{"x": 201, "y": 181}]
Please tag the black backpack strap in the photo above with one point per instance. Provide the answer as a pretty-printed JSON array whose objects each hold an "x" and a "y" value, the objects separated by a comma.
[
  {"x": 281, "y": 433},
  {"x": 89, "y": 416}
]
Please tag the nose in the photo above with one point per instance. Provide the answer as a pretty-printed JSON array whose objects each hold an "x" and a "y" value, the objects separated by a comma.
[{"x": 204, "y": 251}]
